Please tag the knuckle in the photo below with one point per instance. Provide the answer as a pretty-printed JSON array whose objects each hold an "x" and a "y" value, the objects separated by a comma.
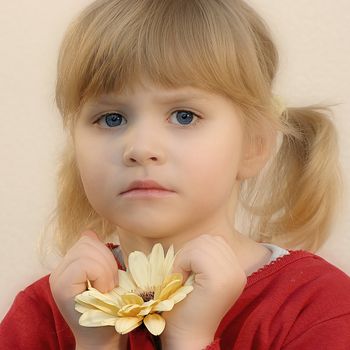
[
  {"x": 51, "y": 277},
  {"x": 205, "y": 236}
]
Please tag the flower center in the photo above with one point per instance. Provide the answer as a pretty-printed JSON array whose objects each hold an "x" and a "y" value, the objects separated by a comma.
[{"x": 147, "y": 295}]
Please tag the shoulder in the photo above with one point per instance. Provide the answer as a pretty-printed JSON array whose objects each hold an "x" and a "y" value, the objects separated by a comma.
[
  {"x": 39, "y": 289},
  {"x": 288, "y": 297},
  {"x": 35, "y": 319},
  {"x": 37, "y": 295},
  {"x": 35, "y": 299},
  {"x": 299, "y": 268},
  {"x": 302, "y": 278}
]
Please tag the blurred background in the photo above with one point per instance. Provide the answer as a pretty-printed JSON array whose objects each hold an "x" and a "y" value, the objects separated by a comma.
[{"x": 313, "y": 41}]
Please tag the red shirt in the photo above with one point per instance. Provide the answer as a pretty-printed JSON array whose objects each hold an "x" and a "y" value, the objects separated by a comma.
[{"x": 300, "y": 301}]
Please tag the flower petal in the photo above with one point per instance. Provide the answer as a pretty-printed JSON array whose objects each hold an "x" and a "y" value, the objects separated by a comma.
[
  {"x": 131, "y": 310},
  {"x": 154, "y": 323},
  {"x": 107, "y": 307},
  {"x": 173, "y": 277},
  {"x": 96, "y": 318},
  {"x": 150, "y": 302},
  {"x": 131, "y": 298},
  {"x": 82, "y": 307},
  {"x": 180, "y": 294},
  {"x": 145, "y": 311},
  {"x": 165, "y": 305},
  {"x": 190, "y": 280},
  {"x": 169, "y": 285},
  {"x": 168, "y": 261},
  {"x": 169, "y": 289},
  {"x": 108, "y": 298},
  {"x": 125, "y": 281},
  {"x": 125, "y": 325},
  {"x": 139, "y": 269},
  {"x": 156, "y": 263}
]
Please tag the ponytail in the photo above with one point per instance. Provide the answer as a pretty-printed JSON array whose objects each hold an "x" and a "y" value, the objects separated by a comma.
[
  {"x": 302, "y": 186},
  {"x": 73, "y": 213}
]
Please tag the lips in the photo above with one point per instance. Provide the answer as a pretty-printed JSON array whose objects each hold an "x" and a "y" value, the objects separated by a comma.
[{"x": 145, "y": 185}]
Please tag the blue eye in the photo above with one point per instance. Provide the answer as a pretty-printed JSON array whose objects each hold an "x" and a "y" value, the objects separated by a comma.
[
  {"x": 111, "y": 119},
  {"x": 185, "y": 117}
]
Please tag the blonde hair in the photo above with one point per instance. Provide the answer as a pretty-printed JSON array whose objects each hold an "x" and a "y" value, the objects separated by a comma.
[{"x": 221, "y": 46}]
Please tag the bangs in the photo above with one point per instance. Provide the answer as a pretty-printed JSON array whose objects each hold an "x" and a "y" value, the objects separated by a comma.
[{"x": 113, "y": 45}]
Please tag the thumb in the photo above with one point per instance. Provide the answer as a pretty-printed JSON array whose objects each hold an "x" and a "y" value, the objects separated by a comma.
[{"x": 182, "y": 265}]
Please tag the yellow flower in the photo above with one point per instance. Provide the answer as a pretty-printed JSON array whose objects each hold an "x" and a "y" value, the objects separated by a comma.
[{"x": 145, "y": 290}]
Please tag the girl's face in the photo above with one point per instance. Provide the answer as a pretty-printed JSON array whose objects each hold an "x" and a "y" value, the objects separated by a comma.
[{"x": 187, "y": 140}]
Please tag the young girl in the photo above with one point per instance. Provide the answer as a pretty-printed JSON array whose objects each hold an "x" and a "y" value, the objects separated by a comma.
[{"x": 172, "y": 125}]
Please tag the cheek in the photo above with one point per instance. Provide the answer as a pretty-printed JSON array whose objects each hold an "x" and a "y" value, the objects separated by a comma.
[
  {"x": 213, "y": 166},
  {"x": 210, "y": 183},
  {"x": 220, "y": 154},
  {"x": 89, "y": 160},
  {"x": 217, "y": 172},
  {"x": 95, "y": 169},
  {"x": 95, "y": 155}
]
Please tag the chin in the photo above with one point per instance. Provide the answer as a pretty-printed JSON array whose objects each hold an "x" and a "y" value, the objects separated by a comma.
[{"x": 151, "y": 231}]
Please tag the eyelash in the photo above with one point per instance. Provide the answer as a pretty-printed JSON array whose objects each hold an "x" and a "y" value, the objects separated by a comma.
[{"x": 180, "y": 110}]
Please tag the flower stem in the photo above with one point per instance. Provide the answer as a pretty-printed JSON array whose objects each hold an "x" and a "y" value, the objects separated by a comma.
[{"x": 157, "y": 342}]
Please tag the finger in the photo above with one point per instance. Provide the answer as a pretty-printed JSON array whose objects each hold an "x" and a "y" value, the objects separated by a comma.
[
  {"x": 90, "y": 234},
  {"x": 76, "y": 274},
  {"x": 226, "y": 261},
  {"x": 218, "y": 246},
  {"x": 84, "y": 250},
  {"x": 96, "y": 243},
  {"x": 215, "y": 247},
  {"x": 229, "y": 256},
  {"x": 95, "y": 272},
  {"x": 92, "y": 238},
  {"x": 220, "y": 255},
  {"x": 187, "y": 261},
  {"x": 204, "y": 256},
  {"x": 181, "y": 267}
]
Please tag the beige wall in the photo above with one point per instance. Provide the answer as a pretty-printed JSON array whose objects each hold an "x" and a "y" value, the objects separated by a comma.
[{"x": 313, "y": 37}]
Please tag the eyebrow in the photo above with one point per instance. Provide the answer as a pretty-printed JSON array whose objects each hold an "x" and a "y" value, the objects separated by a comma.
[{"x": 166, "y": 99}]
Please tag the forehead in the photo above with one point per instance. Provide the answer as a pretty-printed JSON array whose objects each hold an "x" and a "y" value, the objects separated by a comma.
[{"x": 157, "y": 94}]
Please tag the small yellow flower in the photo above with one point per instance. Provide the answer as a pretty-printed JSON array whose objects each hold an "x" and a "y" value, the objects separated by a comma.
[{"x": 145, "y": 290}]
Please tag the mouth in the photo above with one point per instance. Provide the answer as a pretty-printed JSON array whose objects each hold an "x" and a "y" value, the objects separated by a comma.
[{"x": 146, "y": 188}]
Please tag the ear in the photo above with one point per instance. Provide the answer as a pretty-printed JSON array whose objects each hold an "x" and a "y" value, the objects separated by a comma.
[{"x": 256, "y": 151}]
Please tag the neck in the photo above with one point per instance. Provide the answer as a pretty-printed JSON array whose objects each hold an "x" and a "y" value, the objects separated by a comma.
[{"x": 250, "y": 254}]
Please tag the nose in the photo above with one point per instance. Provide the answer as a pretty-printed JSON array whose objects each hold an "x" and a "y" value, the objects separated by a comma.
[{"x": 143, "y": 148}]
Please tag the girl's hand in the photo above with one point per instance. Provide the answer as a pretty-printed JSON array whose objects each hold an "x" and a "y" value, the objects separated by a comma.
[
  {"x": 89, "y": 258},
  {"x": 218, "y": 282}
]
